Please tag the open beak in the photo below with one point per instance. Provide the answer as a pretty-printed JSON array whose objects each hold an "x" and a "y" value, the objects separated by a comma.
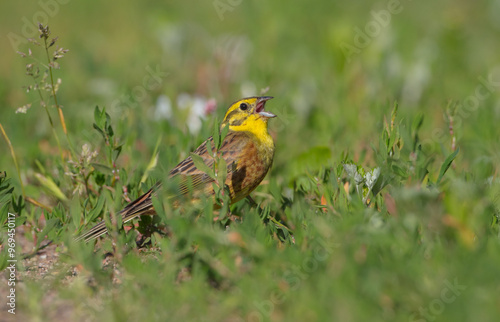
[{"x": 259, "y": 109}]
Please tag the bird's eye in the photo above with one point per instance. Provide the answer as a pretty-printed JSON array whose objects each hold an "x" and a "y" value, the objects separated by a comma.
[{"x": 243, "y": 106}]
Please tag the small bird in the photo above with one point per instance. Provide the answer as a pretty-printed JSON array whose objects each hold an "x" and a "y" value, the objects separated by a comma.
[{"x": 247, "y": 149}]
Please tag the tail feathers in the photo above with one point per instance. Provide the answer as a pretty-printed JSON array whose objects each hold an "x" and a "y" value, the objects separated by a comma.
[{"x": 141, "y": 206}]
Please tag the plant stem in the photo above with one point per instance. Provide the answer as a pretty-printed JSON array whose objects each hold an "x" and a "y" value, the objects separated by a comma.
[
  {"x": 51, "y": 123},
  {"x": 59, "y": 109},
  {"x": 13, "y": 157}
]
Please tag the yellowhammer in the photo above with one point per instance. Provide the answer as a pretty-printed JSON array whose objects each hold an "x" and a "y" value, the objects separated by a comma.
[{"x": 247, "y": 149}]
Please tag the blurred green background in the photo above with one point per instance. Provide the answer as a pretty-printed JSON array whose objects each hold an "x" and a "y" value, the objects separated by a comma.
[{"x": 335, "y": 69}]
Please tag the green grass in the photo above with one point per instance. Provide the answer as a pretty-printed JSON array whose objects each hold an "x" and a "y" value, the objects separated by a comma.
[{"x": 421, "y": 242}]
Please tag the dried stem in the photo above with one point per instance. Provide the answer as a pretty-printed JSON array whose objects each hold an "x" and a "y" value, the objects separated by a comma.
[{"x": 13, "y": 157}]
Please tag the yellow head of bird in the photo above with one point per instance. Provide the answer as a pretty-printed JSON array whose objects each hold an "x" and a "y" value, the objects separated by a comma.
[{"x": 248, "y": 114}]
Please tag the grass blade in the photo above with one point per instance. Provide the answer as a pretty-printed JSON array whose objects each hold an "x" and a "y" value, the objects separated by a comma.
[{"x": 446, "y": 165}]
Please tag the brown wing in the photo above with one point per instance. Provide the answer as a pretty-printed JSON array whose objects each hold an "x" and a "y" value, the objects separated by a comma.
[{"x": 195, "y": 179}]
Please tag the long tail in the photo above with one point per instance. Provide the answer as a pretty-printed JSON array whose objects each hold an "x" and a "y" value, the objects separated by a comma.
[{"x": 141, "y": 206}]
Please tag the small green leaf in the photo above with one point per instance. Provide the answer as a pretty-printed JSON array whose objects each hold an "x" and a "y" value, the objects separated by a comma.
[
  {"x": 59, "y": 212},
  {"x": 394, "y": 113},
  {"x": 108, "y": 118},
  {"x": 119, "y": 219},
  {"x": 5, "y": 190},
  {"x": 49, "y": 226},
  {"x": 200, "y": 165},
  {"x": 5, "y": 196},
  {"x": 97, "y": 210},
  {"x": 353, "y": 171},
  {"x": 209, "y": 147},
  {"x": 446, "y": 165},
  {"x": 372, "y": 177},
  {"x": 390, "y": 143},
  {"x": 221, "y": 171},
  {"x": 116, "y": 152},
  {"x": 398, "y": 170},
  {"x": 223, "y": 134},
  {"x": 159, "y": 208},
  {"x": 99, "y": 130},
  {"x": 102, "y": 168},
  {"x": 381, "y": 182},
  {"x": 350, "y": 169},
  {"x": 216, "y": 134},
  {"x": 98, "y": 117},
  {"x": 19, "y": 205},
  {"x": 109, "y": 131},
  {"x": 417, "y": 122},
  {"x": 75, "y": 212}
]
